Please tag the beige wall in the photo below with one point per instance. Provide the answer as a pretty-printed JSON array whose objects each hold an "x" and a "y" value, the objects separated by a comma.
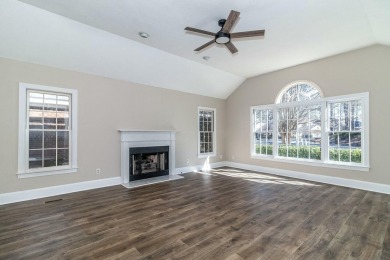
[
  {"x": 364, "y": 70},
  {"x": 105, "y": 105}
]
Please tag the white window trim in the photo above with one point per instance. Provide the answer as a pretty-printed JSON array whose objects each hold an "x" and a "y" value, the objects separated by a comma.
[
  {"x": 324, "y": 162},
  {"x": 23, "y": 171},
  {"x": 214, "y": 153}
]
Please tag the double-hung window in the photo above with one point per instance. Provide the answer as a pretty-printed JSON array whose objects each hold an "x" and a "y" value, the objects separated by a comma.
[
  {"x": 304, "y": 127},
  {"x": 345, "y": 131},
  {"x": 263, "y": 131},
  {"x": 47, "y": 134},
  {"x": 206, "y": 132}
]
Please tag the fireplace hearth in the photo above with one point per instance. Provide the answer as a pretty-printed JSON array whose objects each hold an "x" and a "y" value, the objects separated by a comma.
[{"x": 148, "y": 162}]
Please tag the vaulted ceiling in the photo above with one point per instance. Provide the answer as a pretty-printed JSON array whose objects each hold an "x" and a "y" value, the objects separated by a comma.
[{"x": 101, "y": 37}]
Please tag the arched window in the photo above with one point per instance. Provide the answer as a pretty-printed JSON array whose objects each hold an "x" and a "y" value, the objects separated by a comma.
[
  {"x": 299, "y": 125},
  {"x": 305, "y": 127},
  {"x": 299, "y": 91}
]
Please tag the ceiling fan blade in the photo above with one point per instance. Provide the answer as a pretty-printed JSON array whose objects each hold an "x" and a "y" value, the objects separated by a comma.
[
  {"x": 205, "y": 45},
  {"x": 199, "y": 31},
  {"x": 231, "y": 20},
  {"x": 247, "y": 34},
  {"x": 231, "y": 47}
]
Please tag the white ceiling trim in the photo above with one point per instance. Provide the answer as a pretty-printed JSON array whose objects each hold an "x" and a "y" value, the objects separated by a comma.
[{"x": 37, "y": 36}]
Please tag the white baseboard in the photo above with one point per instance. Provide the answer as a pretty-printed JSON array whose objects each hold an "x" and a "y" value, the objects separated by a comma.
[
  {"x": 12, "y": 197},
  {"x": 18, "y": 196},
  {"x": 363, "y": 185},
  {"x": 199, "y": 167}
]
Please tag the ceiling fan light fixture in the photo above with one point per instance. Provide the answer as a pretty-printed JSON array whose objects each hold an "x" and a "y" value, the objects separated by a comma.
[{"x": 222, "y": 38}]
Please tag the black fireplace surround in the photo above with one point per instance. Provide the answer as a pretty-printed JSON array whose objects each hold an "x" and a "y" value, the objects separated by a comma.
[{"x": 148, "y": 162}]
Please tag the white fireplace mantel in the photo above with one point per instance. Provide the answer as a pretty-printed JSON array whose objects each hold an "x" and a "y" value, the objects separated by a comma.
[{"x": 145, "y": 138}]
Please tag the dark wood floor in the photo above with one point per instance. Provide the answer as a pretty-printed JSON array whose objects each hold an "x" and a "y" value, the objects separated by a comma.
[{"x": 229, "y": 214}]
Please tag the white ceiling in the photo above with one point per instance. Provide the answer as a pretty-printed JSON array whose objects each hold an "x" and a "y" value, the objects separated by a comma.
[{"x": 101, "y": 37}]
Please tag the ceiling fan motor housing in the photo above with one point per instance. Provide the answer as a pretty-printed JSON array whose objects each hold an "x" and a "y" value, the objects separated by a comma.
[
  {"x": 221, "y": 37},
  {"x": 221, "y": 22}
]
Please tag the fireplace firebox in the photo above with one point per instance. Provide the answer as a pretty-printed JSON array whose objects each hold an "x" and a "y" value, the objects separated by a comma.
[{"x": 148, "y": 162}]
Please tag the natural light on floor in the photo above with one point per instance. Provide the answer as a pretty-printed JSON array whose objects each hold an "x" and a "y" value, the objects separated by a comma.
[{"x": 260, "y": 178}]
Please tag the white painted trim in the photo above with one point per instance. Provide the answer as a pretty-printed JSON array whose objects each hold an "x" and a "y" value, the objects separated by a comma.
[
  {"x": 361, "y": 95},
  {"x": 18, "y": 196},
  {"x": 356, "y": 184},
  {"x": 363, "y": 185},
  {"x": 206, "y": 155},
  {"x": 214, "y": 153},
  {"x": 366, "y": 127},
  {"x": 150, "y": 181},
  {"x": 46, "y": 173},
  {"x": 137, "y": 138},
  {"x": 194, "y": 168},
  {"x": 23, "y": 132},
  {"x": 25, "y": 195},
  {"x": 141, "y": 130}
]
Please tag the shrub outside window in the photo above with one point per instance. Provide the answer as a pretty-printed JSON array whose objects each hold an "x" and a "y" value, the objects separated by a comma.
[{"x": 299, "y": 132}]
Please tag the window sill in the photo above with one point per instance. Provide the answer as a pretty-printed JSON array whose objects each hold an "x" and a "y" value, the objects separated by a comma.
[
  {"x": 22, "y": 175},
  {"x": 207, "y": 155},
  {"x": 327, "y": 164}
]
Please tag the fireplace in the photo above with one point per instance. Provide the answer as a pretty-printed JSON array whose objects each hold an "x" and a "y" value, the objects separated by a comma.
[
  {"x": 148, "y": 162},
  {"x": 133, "y": 141}
]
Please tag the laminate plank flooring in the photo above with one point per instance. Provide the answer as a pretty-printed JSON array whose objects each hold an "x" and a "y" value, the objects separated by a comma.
[{"x": 226, "y": 214}]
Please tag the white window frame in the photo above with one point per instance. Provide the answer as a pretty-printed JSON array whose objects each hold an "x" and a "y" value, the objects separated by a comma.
[
  {"x": 214, "y": 153},
  {"x": 324, "y": 162},
  {"x": 23, "y": 170},
  {"x": 253, "y": 145}
]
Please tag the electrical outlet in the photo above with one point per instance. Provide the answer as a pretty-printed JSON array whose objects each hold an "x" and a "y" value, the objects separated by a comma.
[
  {"x": 98, "y": 171},
  {"x": 220, "y": 157}
]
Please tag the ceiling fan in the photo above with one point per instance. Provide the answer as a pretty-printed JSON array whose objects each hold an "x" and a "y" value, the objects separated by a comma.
[{"x": 224, "y": 36}]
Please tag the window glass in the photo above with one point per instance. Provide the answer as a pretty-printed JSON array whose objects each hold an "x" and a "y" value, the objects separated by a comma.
[
  {"x": 48, "y": 129},
  {"x": 299, "y": 127},
  {"x": 299, "y": 132},
  {"x": 299, "y": 92},
  {"x": 206, "y": 131},
  {"x": 345, "y": 131},
  {"x": 263, "y": 131}
]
